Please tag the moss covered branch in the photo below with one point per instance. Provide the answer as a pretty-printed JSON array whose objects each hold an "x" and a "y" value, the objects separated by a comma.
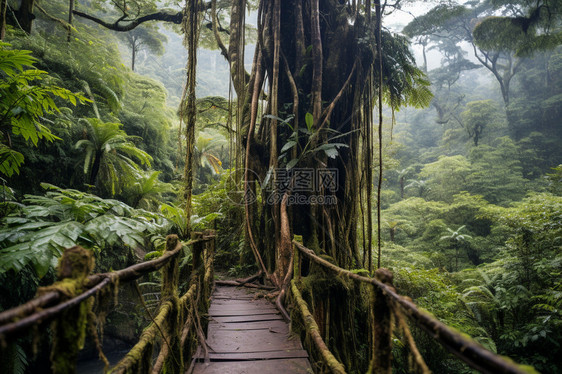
[
  {"x": 313, "y": 330},
  {"x": 464, "y": 348}
]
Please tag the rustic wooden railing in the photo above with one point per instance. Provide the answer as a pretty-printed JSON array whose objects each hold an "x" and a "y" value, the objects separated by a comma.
[
  {"x": 387, "y": 306},
  {"x": 177, "y": 327},
  {"x": 69, "y": 305}
]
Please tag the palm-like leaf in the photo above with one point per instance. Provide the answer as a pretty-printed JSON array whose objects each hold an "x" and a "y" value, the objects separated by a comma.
[
  {"x": 207, "y": 146},
  {"x": 148, "y": 190},
  {"x": 176, "y": 215},
  {"x": 456, "y": 235},
  {"x": 110, "y": 157},
  {"x": 37, "y": 235}
]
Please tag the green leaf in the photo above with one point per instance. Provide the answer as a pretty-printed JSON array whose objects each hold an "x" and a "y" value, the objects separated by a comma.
[
  {"x": 292, "y": 163},
  {"x": 330, "y": 149},
  {"x": 10, "y": 161},
  {"x": 39, "y": 249},
  {"x": 290, "y": 144},
  {"x": 309, "y": 121}
]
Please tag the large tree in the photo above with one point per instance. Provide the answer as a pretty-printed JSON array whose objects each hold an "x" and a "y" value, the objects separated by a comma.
[
  {"x": 321, "y": 61},
  {"x": 144, "y": 38}
]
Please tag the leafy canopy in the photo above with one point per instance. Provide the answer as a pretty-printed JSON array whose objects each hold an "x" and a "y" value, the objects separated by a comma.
[{"x": 25, "y": 99}]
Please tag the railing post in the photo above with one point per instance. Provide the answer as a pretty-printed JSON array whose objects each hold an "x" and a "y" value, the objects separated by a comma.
[
  {"x": 297, "y": 258},
  {"x": 173, "y": 362},
  {"x": 381, "y": 317},
  {"x": 69, "y": 330},
  {"x": 208, "y": 259},
  {"x": 170, "y": 273},
  {"x": 197, "y": 250}
]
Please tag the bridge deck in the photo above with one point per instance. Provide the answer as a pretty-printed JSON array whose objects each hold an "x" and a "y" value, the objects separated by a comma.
[{"x": 249, "y": 336}]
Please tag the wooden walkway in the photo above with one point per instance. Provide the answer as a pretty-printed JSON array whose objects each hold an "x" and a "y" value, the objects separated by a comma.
[{"x": 249, "y": 336}]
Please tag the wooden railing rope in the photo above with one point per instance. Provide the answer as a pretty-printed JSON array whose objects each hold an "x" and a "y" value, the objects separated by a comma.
[
  {"x": 333, "y": 364},
  {"x": 386, "y": 298},
  {"x": 92, "y": 281},
  {"x": 69, "y": 296}
]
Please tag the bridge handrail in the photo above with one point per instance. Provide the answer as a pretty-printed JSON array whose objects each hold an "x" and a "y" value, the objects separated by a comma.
[
  {"x": 94, "y": 284},
  {"x": 332, "y": 362},
  {"x": 464, "y": 348},
  {"x": 168, "y": 321},
  {"x": 54, "y": 301}
]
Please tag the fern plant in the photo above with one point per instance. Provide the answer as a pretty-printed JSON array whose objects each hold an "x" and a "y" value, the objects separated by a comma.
[
  {"x": 109, "y": 155},
  {"x": 43, "y": 226}
]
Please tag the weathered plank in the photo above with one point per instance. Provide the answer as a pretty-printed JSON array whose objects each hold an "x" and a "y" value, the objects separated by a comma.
[
  {"x": 249, "y": 356},
  {"x": 259, "y": 317},
  {"x": 240, "y": 306},
  {"x": 280, "y": 366},
  {"x": 238, "y": 312},
  {"x": 250, "y": 341},
  {"x": 278, "y": 326}
]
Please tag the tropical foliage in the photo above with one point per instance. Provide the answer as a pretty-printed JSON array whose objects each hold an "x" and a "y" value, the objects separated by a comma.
[
  {"x": 25, "y": 99},
  {"x": 471, "y": 209},
  {"x": 35, "y": 234},
  {"x": 110, "y": 155}
]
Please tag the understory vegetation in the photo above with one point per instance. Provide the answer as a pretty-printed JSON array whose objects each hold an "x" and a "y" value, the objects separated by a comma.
[{"x": 93, "y": 152}]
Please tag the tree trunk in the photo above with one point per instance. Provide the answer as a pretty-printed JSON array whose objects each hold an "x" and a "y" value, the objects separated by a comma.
[
  {"x": 95, "y": 168},
  {"x": 25, "y": 15},
  {"x": 70, "y": 18},
  {"x": 133, "y": 56},
  {"x": 188, "y": 108},
  {"x": 331, "y": 84},
  {"x": 3, "y": 9}
]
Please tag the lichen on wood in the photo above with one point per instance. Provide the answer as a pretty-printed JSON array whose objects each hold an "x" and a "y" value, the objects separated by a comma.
[
  {"x": 382, "y": 321},
  {"x": 69, "y": 330},
  {"x": 313, "y": 330},
  {"x": 139, "y": 358}
]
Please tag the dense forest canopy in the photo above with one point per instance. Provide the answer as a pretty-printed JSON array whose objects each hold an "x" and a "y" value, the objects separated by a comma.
[{"x": 122, "y": 121}]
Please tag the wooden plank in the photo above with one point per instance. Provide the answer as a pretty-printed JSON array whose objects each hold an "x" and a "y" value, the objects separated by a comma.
[
  {"x": 282, "y": 366},
  {"x": 229, "y": 303},
  {"x": 237, "y": 319},
  {"x": 228, "y": 313},
  {"x": 226, "y": 297},
  {"x": 224, "y": 341},
  {"x": 278, "y": 326},
  {"x": 232, "y": 294},
  {"x": 234, "y": 300},
  {"x": 271, "y": 355},
  {"x": 238, "y": 306}
]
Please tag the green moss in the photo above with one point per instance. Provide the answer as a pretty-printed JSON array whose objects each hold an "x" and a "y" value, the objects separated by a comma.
[
  {"x": 321, "y": 282},
  {"x": 69, "y": 330},
  {"x": 75, "y": 263},
  {"x": 69, "y": 335}
]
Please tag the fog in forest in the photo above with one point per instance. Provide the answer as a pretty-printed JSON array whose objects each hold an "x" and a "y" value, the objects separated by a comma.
[{"x": 106, "y": 142}]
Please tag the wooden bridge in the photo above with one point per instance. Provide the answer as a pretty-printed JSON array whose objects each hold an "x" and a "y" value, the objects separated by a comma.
[
  {"x": 249, "y": 335},
  {"x": 245, "y": 334}
]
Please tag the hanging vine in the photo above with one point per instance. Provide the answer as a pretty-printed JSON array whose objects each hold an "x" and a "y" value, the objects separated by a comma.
[{"x": 188, "y": 109}]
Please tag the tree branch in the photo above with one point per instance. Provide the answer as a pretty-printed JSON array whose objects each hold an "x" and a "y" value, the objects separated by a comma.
[
  {"x": 116, "y": 26},
  {"x": 163, "y": 16}
]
